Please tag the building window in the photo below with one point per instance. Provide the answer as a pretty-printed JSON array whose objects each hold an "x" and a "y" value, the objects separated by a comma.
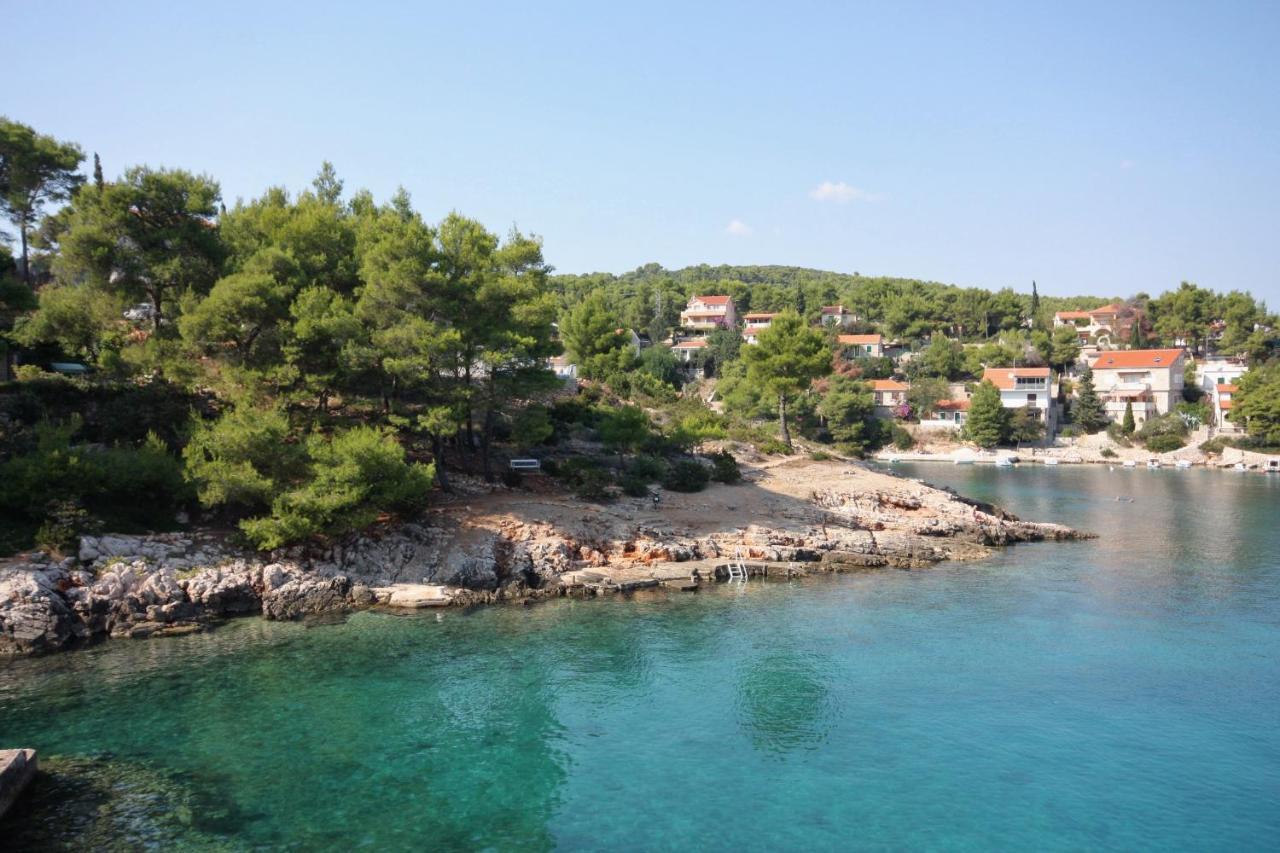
[{"x": 1031, "y": 398}]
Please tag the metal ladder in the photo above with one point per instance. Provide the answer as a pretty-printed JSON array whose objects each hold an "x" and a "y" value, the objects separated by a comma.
[{"x": 737, "y": 568}]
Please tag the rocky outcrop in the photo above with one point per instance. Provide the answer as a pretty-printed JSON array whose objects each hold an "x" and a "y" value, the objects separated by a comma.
[
  {"x": 17, "y": 769},
  {"x": 514, "y": 547}
]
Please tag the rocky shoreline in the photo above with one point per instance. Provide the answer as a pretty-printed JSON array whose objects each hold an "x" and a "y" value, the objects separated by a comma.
[{"x": 503, "y": 546}]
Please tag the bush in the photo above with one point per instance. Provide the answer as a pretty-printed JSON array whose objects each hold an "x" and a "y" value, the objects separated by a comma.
[
  {"x": 1165, "y": 443},
  {"x": 650, "y": 469},
  {"x": 243, "y": 459},
  {"x": 772, "y": 447},
  {"x": 635, "y": 487},
  {"x": 1216, "y": 445},
  {"x": 353, "y": 478},
  {"x": 127, "y": 487},
  {"x": 820, "y": 456},
  {"x": 686, "y": 476},
  {"x": 512, "y": 479},
  {"x": 1117, "y": 434},
  {"x": 724, "y": 468},
  {"x": 902, "y": 439},
  {"x": 1107, "y": 453},
  {"x": 593, "y": 485},
  {"x": 65, "y": 522}
]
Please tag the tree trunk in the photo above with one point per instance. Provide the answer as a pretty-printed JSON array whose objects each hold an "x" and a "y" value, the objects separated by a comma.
[
  {"x": 485, "y": 438},
  {"x": 437, "y": 450},
  {"x": 26, "y": 261},
  {"x": 782, "y": 420}
]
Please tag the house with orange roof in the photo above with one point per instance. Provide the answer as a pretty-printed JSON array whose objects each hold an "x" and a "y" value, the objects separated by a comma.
[
  {"x": 890, "y": 396},
  {"x": 1107, "y": 325},
  {"x": 755, "y": 323},
  {"x": 861, "y": 346},
  {"x": 686, "y": 351},
  {"x": 1029, "y": 388},
  {"x": 705, "y": 313},
  {"x": 947, "y": 414},
  {"x": 837, "y": 315},
  {"x": 1149, "y": 379}
]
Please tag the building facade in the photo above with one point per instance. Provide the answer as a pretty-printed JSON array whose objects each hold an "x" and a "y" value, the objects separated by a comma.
[
  {"x": 1151, "y": 380},
  {"x": 870, "y": 346},
  {"x": 706, "y": 313}
]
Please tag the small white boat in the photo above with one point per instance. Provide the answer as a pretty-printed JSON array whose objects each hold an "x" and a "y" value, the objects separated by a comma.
[
  {"x": 1004, "y": 462},
  {"x": 1153, "y": 463},
  {"x": 1240, "y": 466},
  {"x": 1051, "y": 461},
  {"x": 1182, "y": 463},
  {"x": 1129, "y": 463},
  {"x": 963, "y": 460}
]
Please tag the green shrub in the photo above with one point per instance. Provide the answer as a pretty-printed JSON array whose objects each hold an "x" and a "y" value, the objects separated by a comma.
[
  {"x": 820, "y": 456},
  {"x": 1216, "y": 444},
  {"x": 65, "y": 522},
  {"x": 353, "y": 478},
  {"x": 1107, "y": 453},
  {"x": 902, "y": 439},
  {"x": 650, "y": 469},
  {"x": 1117, "y": 434},
  {"x": 686, "y": 476},
  {"x": 772, "y": 447},
  {"x": 1165, "y": 443},
  {"x": 593, "y": 485},
  {"x": 244, "y": 459},
  {"x": 635, "y": 487},
  {"x": 724, "y": 468}
]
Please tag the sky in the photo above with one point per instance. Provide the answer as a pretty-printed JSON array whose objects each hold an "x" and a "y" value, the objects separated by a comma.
[{"x": 1101, "y": 148}]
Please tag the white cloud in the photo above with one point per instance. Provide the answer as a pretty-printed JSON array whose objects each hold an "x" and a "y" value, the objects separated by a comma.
[
  {"x": 738, "y": 228},
  {"x": 841, "y": 193}
]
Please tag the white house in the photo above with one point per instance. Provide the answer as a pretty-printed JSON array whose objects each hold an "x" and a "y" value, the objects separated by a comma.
[
  {"x": 1027, "y": 388},
  {"x": 1223, "y": 400},
  {"x": 948, "y": 414},
  {"x": 862, "y": 345},
  {"x": 889, "y": 395},
  {"x": 1212, "y": 372},
  {"x": 754, "y": 324},
  {"x": 704, "y": 313},
  {"x": 1149, "y": 379},
  {"x": 687, "y": 351},
  {"x": 838, "y": 315}
]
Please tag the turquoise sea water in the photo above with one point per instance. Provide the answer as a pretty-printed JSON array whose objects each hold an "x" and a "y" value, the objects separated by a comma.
[{"x": 1118, "y": 694}]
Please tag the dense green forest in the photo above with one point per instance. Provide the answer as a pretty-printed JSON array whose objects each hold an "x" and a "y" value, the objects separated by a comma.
[{"x": 304, "y": 363}]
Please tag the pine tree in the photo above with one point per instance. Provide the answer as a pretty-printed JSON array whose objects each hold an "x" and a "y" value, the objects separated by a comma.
[
  {"x": 1088, "y": 411},
  {"x": 98, "y": 180},
  {"x": 1136, "y": 339},
  {"x": 1128, "y": 424},
  {"x": 988, "y": 423},
  {"x": 789, "y": 356},
  {"x": 1035, "y": 304}
]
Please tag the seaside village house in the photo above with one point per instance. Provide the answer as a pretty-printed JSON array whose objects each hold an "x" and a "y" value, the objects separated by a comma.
[
  {"x": 1029, "y": 388},
  {"x": 860, "y": 346},
  {"x": 707, "y": 313},
  {"x": 1221, "y": 398},
  {"x": 1215, "y": 371},
  {"x": 1108, "y": 326},
  {"x": 890, "y": 396},
  {"x": 1150, "y": 379},
  {"x": 947, "y": 414},
  {"x": 838, "y": 315},
  {"x": 754, "y": 324},
  {"x": 687, "y": 351}
]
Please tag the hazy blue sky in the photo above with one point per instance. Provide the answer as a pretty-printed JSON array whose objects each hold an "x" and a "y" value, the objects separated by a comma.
[{"x": 1106, "y": 148}]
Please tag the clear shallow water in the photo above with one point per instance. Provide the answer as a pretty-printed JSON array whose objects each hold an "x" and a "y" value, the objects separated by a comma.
[{"x": 1122, "y": 693}]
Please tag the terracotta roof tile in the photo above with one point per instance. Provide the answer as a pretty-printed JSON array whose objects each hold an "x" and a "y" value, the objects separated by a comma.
[{"x": 1135, "y": 359}]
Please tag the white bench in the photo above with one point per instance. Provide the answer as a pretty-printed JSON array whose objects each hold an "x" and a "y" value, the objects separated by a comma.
[{"x": 525, "y": 465}]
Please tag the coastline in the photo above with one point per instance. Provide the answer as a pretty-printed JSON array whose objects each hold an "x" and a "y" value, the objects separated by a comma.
[{"x": 788, "y": 518}]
